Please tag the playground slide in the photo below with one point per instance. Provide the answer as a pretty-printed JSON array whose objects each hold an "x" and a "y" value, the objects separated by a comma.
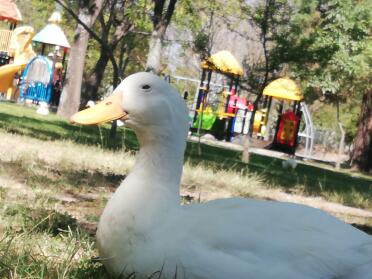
[
  {"x": 7, "y": 73},
  {"x": 21, "y": 47}
]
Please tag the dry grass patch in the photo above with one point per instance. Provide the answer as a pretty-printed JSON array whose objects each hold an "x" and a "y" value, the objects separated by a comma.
[
  {"x": 63, "y": 155},
  {"x": 52, "y": 194},
  {"x": 212, "y": 183}
]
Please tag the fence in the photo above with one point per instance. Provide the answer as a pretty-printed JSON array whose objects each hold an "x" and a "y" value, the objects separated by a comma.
[{"x": 5, "y": 37}]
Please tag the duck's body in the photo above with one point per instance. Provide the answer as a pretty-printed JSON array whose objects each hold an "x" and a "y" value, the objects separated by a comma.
[{"x": 145, "y": 230}]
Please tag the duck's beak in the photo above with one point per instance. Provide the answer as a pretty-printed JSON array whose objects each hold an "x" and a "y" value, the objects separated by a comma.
[{"x": 107, "y": 110}]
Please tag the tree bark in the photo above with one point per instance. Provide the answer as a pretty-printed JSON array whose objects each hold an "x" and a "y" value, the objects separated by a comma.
[
  {"x": 95, "y": 78},
  {"x": 154, "y": 56},
  {"x": 70, "y": 97},
  {"x": 265, "y": 26},
  {"x": 161, "y": 20},
  {"x": 362, "y": 154}
]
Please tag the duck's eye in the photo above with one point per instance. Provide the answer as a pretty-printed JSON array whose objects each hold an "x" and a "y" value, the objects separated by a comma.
[{"x": 146, "y": 87}]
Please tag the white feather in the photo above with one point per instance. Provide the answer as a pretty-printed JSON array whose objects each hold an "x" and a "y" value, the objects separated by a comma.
[{"x": 144, "y": 229}]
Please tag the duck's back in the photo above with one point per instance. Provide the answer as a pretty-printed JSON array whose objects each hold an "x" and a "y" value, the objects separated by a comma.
[{"x": 240, "y": 238}]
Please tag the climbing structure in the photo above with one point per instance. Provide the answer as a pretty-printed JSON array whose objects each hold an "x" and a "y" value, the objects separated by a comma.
[
  {"x": 43, "y": 77},
  {"x": 286, "y": 135},
  {"x": 222, "y": 118}
]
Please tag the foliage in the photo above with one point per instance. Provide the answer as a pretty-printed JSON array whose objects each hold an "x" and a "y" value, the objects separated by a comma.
[
  {"x": 30, "y": 8},
  {"x": 323, "y": 43},
  {"x": 203, "y": 19},
  {"x": 270, "y": 17},
  {"x": 324, "y": 114},
  {"x": 43, "y": 9},
  {"x": 122, "y": 26},
  {"x": 327, "y": 45}
]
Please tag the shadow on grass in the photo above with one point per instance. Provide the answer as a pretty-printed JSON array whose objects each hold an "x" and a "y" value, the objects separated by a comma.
[
  {"x": 46, "y": 129},
  {"x": 53, "y": 178}
]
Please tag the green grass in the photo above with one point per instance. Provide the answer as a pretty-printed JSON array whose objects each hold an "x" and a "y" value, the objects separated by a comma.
[
  {"x": 24, "y": 121},
  {"x": 340, "y": 186},
  {"x": 26, "y": 252},
  {"x": 51, "y": 200}
]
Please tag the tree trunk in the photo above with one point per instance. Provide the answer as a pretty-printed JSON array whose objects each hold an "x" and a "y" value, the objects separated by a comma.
[
  {"x": 265, "y": 26},
  {"x": 70, "y": 97},
  {"x": 362, "y": 155},
  {"x": 341, "y": 146},
  {"x": 154, "y": 56},
  {"x": 160, "y": 19},
  {"x": 94, "y": 80}
]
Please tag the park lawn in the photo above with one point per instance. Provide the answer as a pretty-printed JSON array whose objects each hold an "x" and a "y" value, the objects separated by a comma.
[
  {"x": 348, "y": 188},
  {"x": 51, "y": 199}
]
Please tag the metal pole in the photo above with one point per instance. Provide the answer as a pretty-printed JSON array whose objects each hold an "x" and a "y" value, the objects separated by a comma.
[{"x": 200, "y": 95}]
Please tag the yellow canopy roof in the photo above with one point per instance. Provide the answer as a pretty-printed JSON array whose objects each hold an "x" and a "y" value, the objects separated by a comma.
[
  {"x": 284, "y": 88},
  {"x": 223, "y": 61}
]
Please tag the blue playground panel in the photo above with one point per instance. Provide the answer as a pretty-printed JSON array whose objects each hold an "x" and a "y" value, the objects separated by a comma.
[{"x": 35, "y": 90}]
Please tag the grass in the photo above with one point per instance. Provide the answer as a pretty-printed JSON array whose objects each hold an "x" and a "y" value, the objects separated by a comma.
[
  {"x": 24, "y": 121},
  {"x": 345, "y": 187},
  {"x": 30, "y": 248},
  {"x": 51, "y": 199}
]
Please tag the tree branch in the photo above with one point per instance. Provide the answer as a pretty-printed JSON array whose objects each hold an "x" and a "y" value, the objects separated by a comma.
[
  {"x": 158, "y": 12},
  {"x": 103, "y": 44},
  {"x": 76, "y": 17},
  {"x": 170, "y": 10}
]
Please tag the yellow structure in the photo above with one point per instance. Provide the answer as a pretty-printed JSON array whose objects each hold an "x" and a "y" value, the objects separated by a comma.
[
  {"x": 260, "y": 121},
  {"x": 224, "y": 62},
  {"x": 20, "y": 49},
  {"x": 284, "y": 89}
]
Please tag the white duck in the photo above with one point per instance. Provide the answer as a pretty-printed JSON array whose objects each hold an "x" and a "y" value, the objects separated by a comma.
[{"x": 145, "y": 230}]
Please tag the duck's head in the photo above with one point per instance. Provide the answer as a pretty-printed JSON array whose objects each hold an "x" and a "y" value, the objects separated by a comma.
[{"x": 145, "y": 102}]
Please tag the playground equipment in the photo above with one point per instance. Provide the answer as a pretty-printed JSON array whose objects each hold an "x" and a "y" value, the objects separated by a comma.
[
  {"x": 53, "y": 35},
  {"x": 15, "y": 47},
  {"x": 224, "y": 112},
  {"x": 288, "y": 123},
  {"x": 42, "y": 79},
  {"x": 36, "y": 81},
  {"x": 9, "y": 13},
  {"x": 20, "y": 48}
]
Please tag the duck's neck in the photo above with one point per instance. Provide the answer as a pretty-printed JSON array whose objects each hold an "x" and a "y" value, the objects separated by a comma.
[{"x": 158, "y": 168}]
